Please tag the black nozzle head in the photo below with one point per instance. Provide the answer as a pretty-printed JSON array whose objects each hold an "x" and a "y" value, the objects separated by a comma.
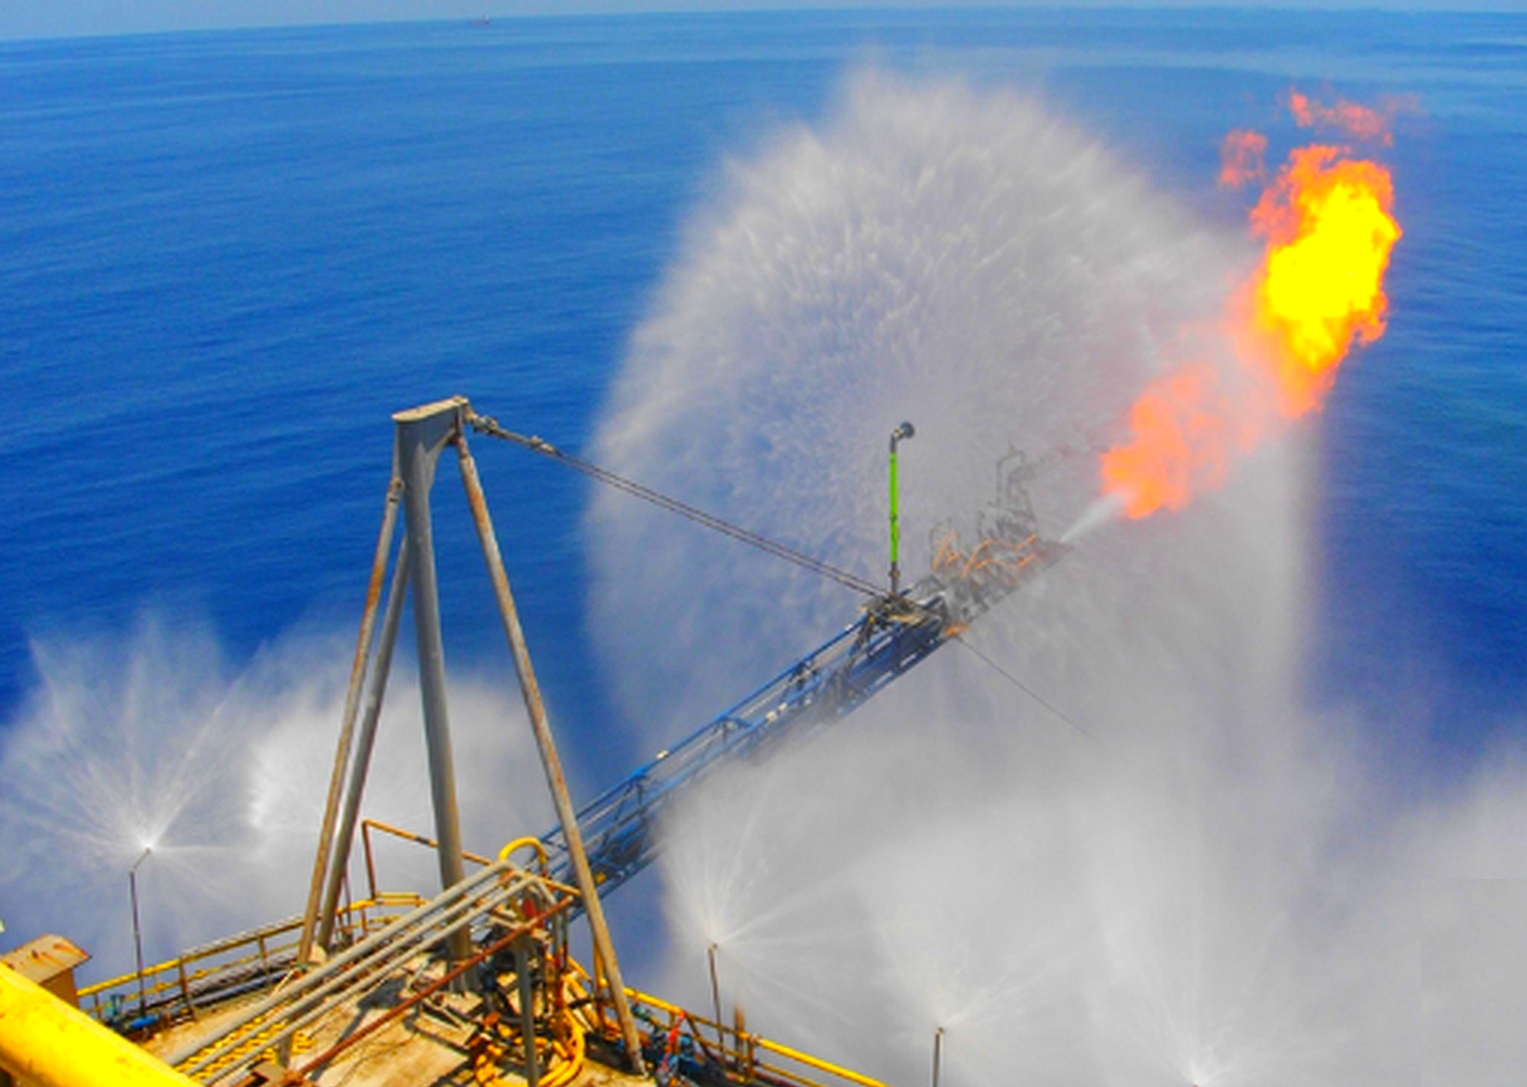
[{"x": 903, "y": 432}]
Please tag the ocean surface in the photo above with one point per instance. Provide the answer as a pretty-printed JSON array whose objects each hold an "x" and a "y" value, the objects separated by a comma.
[{"x": 227, "y": 258}]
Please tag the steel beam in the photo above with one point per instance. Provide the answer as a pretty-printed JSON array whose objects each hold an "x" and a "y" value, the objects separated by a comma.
[
  {"x": 347, "y": 723},
  {"x": 421, "y": 434},
  {"x": 604, "y": 950},
  {"x": 365, "y": 743}
]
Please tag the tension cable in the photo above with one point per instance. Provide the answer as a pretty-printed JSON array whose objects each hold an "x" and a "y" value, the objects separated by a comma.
[
  {"x": 1022, "y": 686},
  {"x": 486, "y": 424}
]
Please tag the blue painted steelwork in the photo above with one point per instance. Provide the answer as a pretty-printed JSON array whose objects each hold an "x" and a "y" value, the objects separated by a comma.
[{"x": 895, "y": 633}]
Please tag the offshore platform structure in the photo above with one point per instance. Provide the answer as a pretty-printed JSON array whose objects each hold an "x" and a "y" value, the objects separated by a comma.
[
  {"x": 504, "y": 927},
  {"x": 896, "y": 630},
  {"x": 894, "y": 633}
]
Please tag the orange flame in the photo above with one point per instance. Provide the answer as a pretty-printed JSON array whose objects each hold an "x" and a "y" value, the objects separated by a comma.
[
  {"x": 1241, "y": 158},
  {"x": 1359, "y": 122},
  {"x": 1181, "y": 446},
  {"x": 1328, "y": 223},
  {"x": 1329, "y": 229}
]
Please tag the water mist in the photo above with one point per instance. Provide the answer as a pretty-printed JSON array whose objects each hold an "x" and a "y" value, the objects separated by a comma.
[
  {"x": 152, "y": 737},
  {"x": 1207, "y": 886}
]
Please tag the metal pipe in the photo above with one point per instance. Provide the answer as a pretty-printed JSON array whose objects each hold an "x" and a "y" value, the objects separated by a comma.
[
  {"x": 938, "y": 1052},
  {"x": 316, "y": 1005},
  {"x": 132, "y": 891},
  {"x": 430, "y": 843},
  {"x": 527, "y": 1010},
  {"x": 744, "y": 1041},
  {"x": 715, "y": 989},
  {"x": 347, "y": 720},
  {"x": 305, "y": 1009},
  {"x": 604, "y": 949},
  {"x": 381, "y": 668},
  {"x": 421, "y": 433},
  {"x": 418, "y": 996},
  {"x": 453, "y": 906},
  {"x": 370, "y": 859},
  {"x": 46, "y": 1043}
]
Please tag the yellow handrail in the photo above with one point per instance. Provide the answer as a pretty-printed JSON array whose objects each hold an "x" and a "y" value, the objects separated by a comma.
[
  {"x": 263, "y": 946},
  {"x": 674, "y": 1012}
]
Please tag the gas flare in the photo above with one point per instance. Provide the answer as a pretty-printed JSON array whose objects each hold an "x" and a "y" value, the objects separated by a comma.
[
  {"x": 1358, "y": 122},
  {"x": 1329, "y": 228},
  {"x": 1241, "y": 158},
  {"x": 1182, "y": 443}
]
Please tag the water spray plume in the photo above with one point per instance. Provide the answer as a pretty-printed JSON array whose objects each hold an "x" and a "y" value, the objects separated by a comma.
[
  {"x": 1329, "y": 229},
  {"x": 1222, "y": 891},
  {"x": 149, "y": 749}
]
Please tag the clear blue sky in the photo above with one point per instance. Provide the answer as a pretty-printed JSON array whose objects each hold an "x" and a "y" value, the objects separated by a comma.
[{"x": 68, "y": 18}]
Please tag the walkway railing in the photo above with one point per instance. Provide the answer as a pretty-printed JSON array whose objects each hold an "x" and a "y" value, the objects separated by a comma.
[
  {"x": 235, "y": 965},
  {"x": 692, "y": 1046}
]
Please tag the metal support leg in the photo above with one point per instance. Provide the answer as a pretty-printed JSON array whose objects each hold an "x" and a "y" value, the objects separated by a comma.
[
  {"x": 604, "y": 950},
  {"x": 347, "y": 722},
  {"x": 381, "y": 668},
  {"x": 421, "y": 434},
  {"x": 527, "y": 1010}
]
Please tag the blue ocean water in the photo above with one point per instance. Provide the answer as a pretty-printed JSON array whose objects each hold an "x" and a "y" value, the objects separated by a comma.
[{"x": 226, "y": 258}]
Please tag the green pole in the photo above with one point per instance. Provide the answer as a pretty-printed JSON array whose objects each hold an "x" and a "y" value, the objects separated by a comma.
[
  {"x": 895, "y": 526},
  {"x": 900, "y": 433}
]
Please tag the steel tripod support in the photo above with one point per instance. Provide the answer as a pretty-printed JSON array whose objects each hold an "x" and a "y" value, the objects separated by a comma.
[{"x": 422, "y": 434}]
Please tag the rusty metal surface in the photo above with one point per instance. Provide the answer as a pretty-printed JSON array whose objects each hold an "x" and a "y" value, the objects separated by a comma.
[
  {"x": 44, "y": 958},
  {"x": 362, "y": 967}
]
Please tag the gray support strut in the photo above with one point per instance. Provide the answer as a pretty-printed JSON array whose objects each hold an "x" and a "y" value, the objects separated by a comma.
[
  {"x": 347, "y": 725},
  {"x": 421, "y": 434},
  {"x": 365, "y": 743},
  {"x": 588, "y": 888}
]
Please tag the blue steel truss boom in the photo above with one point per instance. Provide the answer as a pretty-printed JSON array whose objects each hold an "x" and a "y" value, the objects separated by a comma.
[{"x": 895, "y": 632}]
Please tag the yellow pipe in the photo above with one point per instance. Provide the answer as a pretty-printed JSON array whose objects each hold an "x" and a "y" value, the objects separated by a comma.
[
  {"x": 524, "y": 843},
  {"x": 816, "y": 1062},
  {"x": 44, "y": 1041},
  {"x": 673, "y": 1010},
  {"x": 419, "y": 839}
]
